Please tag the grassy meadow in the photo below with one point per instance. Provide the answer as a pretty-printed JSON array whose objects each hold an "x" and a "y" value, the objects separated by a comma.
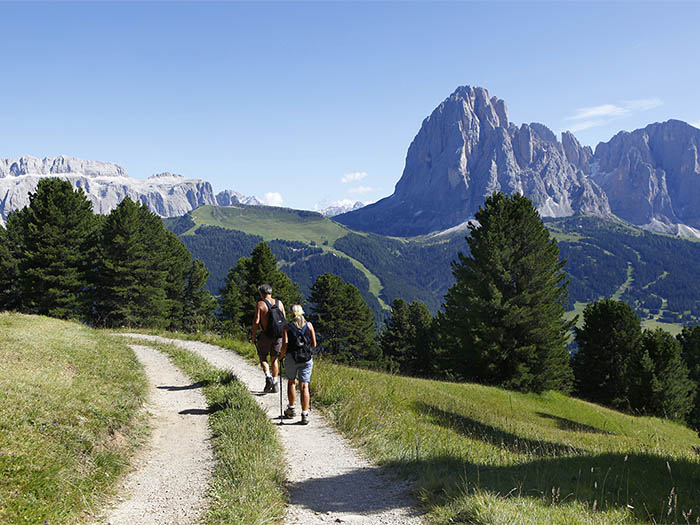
[
  {"x": 69, "y": 418},
  {"x": 484, "y": 455},
  {"x": 273, "y": 223}
]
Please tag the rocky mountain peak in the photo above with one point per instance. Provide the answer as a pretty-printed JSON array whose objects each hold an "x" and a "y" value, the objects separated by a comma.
[
  {"x": 465, "y": 150},
  {"x": 28, "y": 165}
]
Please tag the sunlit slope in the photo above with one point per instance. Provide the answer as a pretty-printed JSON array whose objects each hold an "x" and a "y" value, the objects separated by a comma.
[
  {"x": 273, "y": 223},
  {"x": 483, "y": 455}
]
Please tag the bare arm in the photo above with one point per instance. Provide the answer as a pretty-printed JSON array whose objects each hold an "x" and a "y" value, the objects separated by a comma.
[
  {"x": 283, "y": 352},
  {"x": 313, "y": 334},
  {"x": 256, "y": 320}
]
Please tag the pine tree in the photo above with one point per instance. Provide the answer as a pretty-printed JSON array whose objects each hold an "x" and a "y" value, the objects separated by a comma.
[
  {"x": 55, "y": 250},
  {"x": 405, "y": 341},
  {"x": 231, "y": 303},
  {"x": 505, "y": 310},
  {"x": 259, "y": 269},
  {"x": 610, "y": 335},
  {"x": 198, "y": 304},
  {"x": 658, "y": 378},
  {"x": 133, "y": 277},
  {"x": 9, "y": 292},
  {"x": 178, "y": 263},
  {"x": 344, "y": 323},
  {"x": 690, "y": 343}
]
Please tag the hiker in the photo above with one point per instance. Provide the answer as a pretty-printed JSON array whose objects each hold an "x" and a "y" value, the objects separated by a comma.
[
  {"x": 298, "y": 342},
  {"x": 270, "y": 319}
]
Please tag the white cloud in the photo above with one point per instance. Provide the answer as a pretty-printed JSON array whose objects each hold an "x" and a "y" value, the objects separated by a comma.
[
  {"x": 606, "y": 110},
  {"x": 695, "y": 124},
  {"x": 360, "y": 190},
  {"x": 273, "y": 199},
  {"x": 594, "y": 116},
  {"x": 353, "y": 177}
]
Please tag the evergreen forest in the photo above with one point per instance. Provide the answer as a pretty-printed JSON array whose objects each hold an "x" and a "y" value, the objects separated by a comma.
[{"x": 500, "y": 321}]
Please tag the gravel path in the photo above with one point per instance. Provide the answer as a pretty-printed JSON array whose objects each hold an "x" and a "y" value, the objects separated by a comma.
[
  {"x": 172, "y": 474},
  {"x": 329, "y": 482}
]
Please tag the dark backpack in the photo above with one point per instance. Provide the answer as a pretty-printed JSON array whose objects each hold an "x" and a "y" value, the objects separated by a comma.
[
  {"x": 275, "y": 320},
  {"x": 299, "y": 343}
]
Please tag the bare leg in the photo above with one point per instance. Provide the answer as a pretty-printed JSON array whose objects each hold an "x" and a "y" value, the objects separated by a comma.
[
  {"x": 265, "y": 366},
  {"x": 274, "y": 365},
  {"x": 305, "y": 396},
  {"x": 292, "y": 391}
]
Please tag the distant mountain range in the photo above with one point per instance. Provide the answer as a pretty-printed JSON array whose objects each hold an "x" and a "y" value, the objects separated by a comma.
[
  {"x": 467, "y": 149},
  {"x": 106, "y": 185}
]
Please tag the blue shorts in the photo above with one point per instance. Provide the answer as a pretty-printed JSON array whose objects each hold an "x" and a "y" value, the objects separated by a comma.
[{"x": 294, "y": 370}]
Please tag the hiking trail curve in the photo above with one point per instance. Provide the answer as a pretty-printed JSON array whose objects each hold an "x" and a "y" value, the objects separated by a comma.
[{"x": 328, "y": 480}]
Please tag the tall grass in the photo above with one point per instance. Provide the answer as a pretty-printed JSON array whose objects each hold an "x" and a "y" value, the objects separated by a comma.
[
  {"x": 248, "y": 486},
  {"x": 70, "y": 400},
  {"x": 485, "y": 455}
]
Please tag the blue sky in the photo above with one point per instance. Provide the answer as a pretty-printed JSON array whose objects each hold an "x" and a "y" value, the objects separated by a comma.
[{"x": 291, "y": 99}]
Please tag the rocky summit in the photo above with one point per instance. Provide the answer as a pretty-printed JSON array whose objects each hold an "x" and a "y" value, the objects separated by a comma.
[
  {"x": 106, "y": 185},
  {"x": 467, "y": 149},
  {"x": 652, "y": 176}
]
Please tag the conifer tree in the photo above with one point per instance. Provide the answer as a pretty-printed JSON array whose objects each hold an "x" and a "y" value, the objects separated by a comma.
[
  {"x": 658, "y": 378},
  {"x": 9, "y": 292},
  {"x": 259, "y": 268},
  {"x": 198, "y": 304},
  {"x": 610, "y": 336},
  {"x": 343, "y": 322},
  {"x": 405, "y": 339},
  {"x": 177, "y": 261},
  {"x": 55, "y": 236},
  {"x": 231, "y": 303},
  {"x": 505, "y": 310},
  {"x": 690, "y": 343},
  {"x": 133, "y": 276}
]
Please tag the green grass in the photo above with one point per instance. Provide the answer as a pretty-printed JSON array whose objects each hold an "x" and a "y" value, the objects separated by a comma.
[
  {"x": 273, "y": 223},
  {"x": 249, "y": 477},
  {"x": 69, "y": 418},
  {"x": 489, "y": 456},
  {"x": 486, "y": 455}
]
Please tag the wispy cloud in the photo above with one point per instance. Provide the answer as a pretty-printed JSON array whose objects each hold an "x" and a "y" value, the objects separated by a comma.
[
  {"x": 353, "y": 177},
  {"x": 360, "y": 190},
  {"x": 273, "y": 199},
  {"x": 594, "y": 116}
]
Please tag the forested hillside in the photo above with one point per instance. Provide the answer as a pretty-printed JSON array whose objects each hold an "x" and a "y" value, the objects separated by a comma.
[{"x": 654, "y": 273}]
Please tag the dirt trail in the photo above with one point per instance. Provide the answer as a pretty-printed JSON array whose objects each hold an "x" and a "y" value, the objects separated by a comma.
[
  {"x": 329, "y": 482},
  {"x": 169, "y": 483}
]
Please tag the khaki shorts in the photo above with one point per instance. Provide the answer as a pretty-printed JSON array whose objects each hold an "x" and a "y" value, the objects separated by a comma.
[{"x": 268, "y": 346}]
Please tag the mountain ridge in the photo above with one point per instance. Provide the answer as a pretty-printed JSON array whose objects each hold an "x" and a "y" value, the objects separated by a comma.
[
  {"x": 467, "y": 148},
  {"x": 106, "y": 184}
]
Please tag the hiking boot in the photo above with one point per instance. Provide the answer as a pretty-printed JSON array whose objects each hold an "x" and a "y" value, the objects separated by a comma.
[
  {"x": 289, "y": 413},
  {"x": 275, "y": 388},
  {"x": 304, "y": 419},
  {"x": 268, "y": 385}
]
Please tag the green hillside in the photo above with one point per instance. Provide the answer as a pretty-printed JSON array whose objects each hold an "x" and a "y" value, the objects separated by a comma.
[
  {"x": 656, "y": 274},
  {"x": 485, "y": 455},
  {"x": 273, "y": 223},
  {"x": 69, "y": 418}
]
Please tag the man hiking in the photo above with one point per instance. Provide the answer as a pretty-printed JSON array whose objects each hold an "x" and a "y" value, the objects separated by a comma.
[{"x": 269, "y": 321}]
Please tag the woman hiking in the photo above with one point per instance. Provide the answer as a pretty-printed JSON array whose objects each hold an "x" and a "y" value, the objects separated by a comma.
[{"x": 298, "y": 342}]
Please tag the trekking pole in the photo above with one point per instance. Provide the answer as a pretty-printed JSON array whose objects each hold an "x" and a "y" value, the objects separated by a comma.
[{"x": 281, "y": 388}]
